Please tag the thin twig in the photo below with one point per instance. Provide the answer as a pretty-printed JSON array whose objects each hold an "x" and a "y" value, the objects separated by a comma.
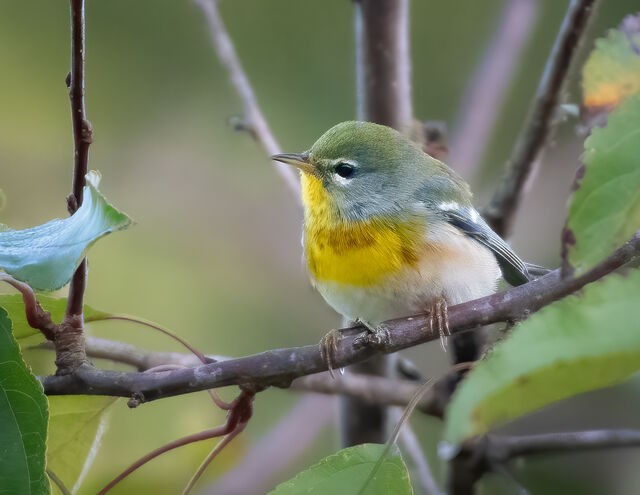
[
  {"x": 412, "y": 449},
  {"x": 490, "y": 452},
  {"x": 254, "y": 119},
  {"x": 69, "y": 340},
  {"x": 196, "y": 437},
  {"x": 82, "y": 136},
  {"x": 483, "y": 100},
  {"x": 280, "y": 367},
  {"x": 504, "y": 205},
  {"x": 293, "y": 434},
  {"x": 37, "y": 317},
  {"x": 504, "y": 449}
]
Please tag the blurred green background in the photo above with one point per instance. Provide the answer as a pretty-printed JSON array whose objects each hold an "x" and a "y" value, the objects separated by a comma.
[{"x": 215, "y": 254}]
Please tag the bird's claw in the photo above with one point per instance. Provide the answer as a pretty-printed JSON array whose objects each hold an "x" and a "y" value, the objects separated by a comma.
[
  {"x": 439, "y": 317},
  {"x": 376, "y": 336},
  {"x": 329, "y": 348}
]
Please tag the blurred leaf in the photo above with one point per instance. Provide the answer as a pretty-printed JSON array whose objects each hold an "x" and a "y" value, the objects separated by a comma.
[
  {"x": 346, "y": 472},
  {"x": 46, "y": 256},
  {"x": 76, "y": 424},
  {"x": 56, "y": 306},
  {"x": 605, "y": 210},
  {"x": 23, "y": 421},
  {"x": 612, "y": 71},
  {"x": 580, "y": 343}
]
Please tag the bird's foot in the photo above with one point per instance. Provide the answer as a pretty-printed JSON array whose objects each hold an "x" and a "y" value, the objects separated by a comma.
[
  {"x": 439, "y": 320},
  {"x": 329, "y": 348},
  {"x": 376, "y": 336}
]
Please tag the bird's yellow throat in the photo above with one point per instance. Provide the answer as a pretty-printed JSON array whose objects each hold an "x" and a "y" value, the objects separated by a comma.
[{"x": 355, "y": 253}]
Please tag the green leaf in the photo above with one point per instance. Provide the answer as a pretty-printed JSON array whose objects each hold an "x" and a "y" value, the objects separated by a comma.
[
  {"x": 76, "y": 424},
  {"x": 14, "y": 306},
  {"x": 46, "y": 256},
  {"x": 346, "y": 472},
  {"x": 605, "y": 211},
  {"x": 23, "y": 421},
  {"x": 612, "y": 71},
  {"x": 580, "y": 343}
]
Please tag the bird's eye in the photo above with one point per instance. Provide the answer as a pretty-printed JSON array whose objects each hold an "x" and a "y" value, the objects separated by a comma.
[{"x": 344, "y": 170}]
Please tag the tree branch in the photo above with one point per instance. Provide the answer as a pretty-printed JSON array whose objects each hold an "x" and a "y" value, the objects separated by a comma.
[
  {"x": 254, "y": 120},
  {"x": 502, "y": 210},
  {"x": 69, "y": 340},
  {"x": 279, "y": 367},
  {"x": 482, "y": 102},
  {"x": 490, "y": 452},
  {"x": 383, "y": 96}
]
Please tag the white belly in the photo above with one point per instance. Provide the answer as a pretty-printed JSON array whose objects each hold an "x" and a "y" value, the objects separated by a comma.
[{"x": 466, "y": 271}]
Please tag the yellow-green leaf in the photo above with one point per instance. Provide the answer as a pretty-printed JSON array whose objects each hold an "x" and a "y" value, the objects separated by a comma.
[
  {"x": 56, "y": 306},
  {"x": 76, "y": 425},
  {"x": 612, "y": 71},
  {"x": 346, "y": 472},
  {"x": 605, "y": 210},
  {"x": 580, "y": 343}
]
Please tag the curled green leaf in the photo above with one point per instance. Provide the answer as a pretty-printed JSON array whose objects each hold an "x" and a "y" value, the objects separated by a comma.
[{"x": 46, "y": 256}]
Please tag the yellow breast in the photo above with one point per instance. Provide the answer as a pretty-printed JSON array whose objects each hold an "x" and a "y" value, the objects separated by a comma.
[{"x": 355, "y": 253}]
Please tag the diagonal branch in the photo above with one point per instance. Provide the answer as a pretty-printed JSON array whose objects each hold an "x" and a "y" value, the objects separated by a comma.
[
  {"x": 254, "y": 120},
  {"x": 483, "y": 100},
  {"x": 279, "y": 367},
  {"x": 504, "y": 205}
]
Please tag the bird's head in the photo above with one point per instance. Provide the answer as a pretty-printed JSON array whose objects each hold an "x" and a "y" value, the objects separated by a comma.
[{"x": 361, "y": 170}]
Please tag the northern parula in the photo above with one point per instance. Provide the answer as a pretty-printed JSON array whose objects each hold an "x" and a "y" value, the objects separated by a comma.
[{"x": 390, "y": 231}]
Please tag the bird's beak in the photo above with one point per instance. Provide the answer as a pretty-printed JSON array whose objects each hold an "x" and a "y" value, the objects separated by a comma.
[{"x": 298, "y": 160}]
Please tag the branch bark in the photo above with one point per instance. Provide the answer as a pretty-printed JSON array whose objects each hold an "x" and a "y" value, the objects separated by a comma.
[
  {"x": 280, "y": 367},
  {"x": 383, "y": 96},
  {"x": 69, "y": 341},
  {"x": 489, "y": 453},
  {"x": 501, "y": 212},
  {"x": 254, "y": 120}
]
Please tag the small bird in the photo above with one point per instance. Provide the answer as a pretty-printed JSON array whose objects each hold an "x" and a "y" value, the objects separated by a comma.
[{"x": 390, "y": 231}]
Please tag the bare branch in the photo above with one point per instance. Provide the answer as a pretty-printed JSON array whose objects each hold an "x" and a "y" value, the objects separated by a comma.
[
  {"x": 383, "y": 63},
  {"x": 485, "y": 95},
  {"x": 412, "y": 449},
  {"x": 37, "y": 317},
  {"x": 383, "y": 96},
  {"x": 371, "y": 390},
  {"x": 501, "y": 212},
  {"x": 254, "y": 119},
  {"x": 293, "y": 434},
  {"x": 280, "y": 367},
  {"x": 490, "y": 452},
  {"x": 69, "y": 340}
]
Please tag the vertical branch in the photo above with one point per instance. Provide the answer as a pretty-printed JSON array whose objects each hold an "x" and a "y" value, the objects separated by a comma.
[
  {"x": 383, "y": 62},
  {"x": 537, "y": 130},
  {"x": 70, "y": 340},
  {"x": 483, "y": 99},
  {"x": 383, "y": 89}
]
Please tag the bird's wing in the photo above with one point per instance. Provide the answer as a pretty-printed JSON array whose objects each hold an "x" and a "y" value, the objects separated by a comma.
[{"x": 469, "y": 221}]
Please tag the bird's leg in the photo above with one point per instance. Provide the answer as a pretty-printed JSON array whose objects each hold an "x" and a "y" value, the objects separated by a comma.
[
  {"x": 328, "y": 348},
  {"x": 377, "y": 336},
  {"x": 439, "y": 318}
]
